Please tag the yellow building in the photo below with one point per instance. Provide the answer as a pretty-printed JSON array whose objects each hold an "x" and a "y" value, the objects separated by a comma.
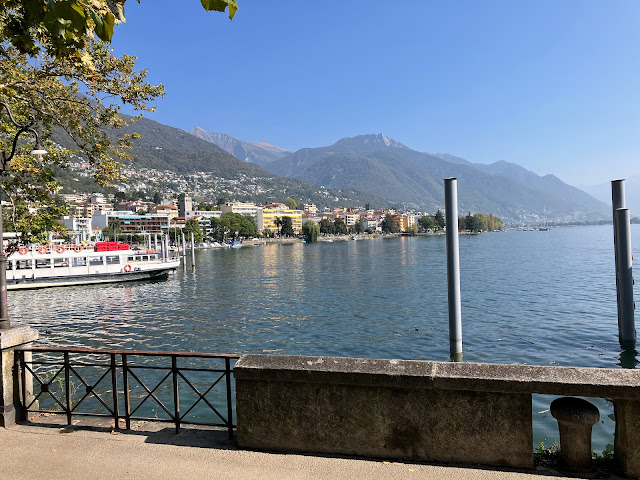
[
  {"x": 267, "y": 215},
  {"x": 403, "y": 222}
]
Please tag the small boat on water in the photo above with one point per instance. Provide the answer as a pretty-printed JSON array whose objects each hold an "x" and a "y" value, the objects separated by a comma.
[{"x": 40, "y": 266}]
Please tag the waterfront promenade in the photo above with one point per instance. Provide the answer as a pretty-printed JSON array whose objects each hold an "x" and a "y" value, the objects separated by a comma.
[{"x": 52, "y": 452}]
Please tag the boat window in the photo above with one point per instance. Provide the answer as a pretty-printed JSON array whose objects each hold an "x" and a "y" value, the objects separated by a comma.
[
  {"x": 113, "y": 259},
  {"x": 79, "y": 261},
  {"x": 60, "y": 262},
  {"x": 130, "y": 259},
  {"x": 23, "y": 264},
  {"x": 145, "y": 258},
  {"x": 43, "y": 263},
  {"x": 9, "y": 264},
  {"x": 96, "y": 261}
]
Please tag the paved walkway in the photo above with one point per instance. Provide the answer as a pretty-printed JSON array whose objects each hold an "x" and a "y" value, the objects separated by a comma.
[{"x": 46, "y": 452}]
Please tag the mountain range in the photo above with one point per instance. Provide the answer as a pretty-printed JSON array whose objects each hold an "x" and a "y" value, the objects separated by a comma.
[
  {"x": 385, "y": 167},
  {"x": 372, "y": 169},
  {"x": 170, "y": 149},
  {"x": 260, "y": 153}
]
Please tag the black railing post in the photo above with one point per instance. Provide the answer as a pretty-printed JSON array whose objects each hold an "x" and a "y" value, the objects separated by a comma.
[
  {"x": 114, "y": 386},
  {"x": 176, "y": 394},
  {"x": 67, "y": 386},
  {"x": 227, "y": 372},
  {"x": 22, "y": 371},
  {"x": 127, "y": 403}
]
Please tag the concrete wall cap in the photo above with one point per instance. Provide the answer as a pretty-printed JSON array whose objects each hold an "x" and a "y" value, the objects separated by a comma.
[
  {"x": 17, "y": 335},
  {"x": 575, "y": 381}
]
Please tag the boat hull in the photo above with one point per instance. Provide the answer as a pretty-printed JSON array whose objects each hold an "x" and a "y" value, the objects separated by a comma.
[
  {"x": 46, "y": 282},
  {"x": 43, "y": 267}
]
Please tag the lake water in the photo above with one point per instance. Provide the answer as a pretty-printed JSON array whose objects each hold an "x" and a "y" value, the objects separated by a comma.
[{"x": 544, "y": 298}]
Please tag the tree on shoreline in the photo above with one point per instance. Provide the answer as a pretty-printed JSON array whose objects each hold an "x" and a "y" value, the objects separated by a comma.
[
  {"x": 286, "y": 228},
  {"x": 193, "y": 226},
  {"x": 388, "y": 224},
  {"x": 311, "y": 231},
  {"x": 232, "y": 224},
  {"x": 439, "y": 219},
  {"x": 427, "y": 223}
]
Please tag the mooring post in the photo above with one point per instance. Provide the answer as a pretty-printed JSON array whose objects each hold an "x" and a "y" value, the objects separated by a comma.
[
  {"x": 617, "y": 201},
  {"x": 155, "y": 242},
  {"x": 623, "y": 259},
  {"x": 184, "y": 246},
  {"x": 453, "y": 268},
  {"x": 626, "y": 306},
  {"x": 193, "y": 252}
]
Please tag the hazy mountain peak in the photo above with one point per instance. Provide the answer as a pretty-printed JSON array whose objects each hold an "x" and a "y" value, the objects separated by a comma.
[
  {"x": 450, "y": 158},
  {"x": 370, "y": 141},
  {"x": 272, "y": 148},
  {"x": 260, "y": 153}
]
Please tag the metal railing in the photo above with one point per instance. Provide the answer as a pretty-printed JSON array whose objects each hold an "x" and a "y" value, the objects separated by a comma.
[{"x": 117, "y": 384}]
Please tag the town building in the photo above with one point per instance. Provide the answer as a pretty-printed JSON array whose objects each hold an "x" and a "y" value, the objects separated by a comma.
[
  {"x": 79, "y": 227},
  {"x": 310, "y": 208},
  {"x": 134, "y": 224},
  {"x": 170, "y": 211},
  {"x": 185, "y": 204},
  {"x": 250, "y": 209},
  {"x": 267, "y": 215}
]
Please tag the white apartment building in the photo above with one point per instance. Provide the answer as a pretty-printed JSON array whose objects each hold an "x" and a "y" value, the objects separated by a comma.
[
  {"x": 250, "y": 209},
  {"x": 79, "y": 227}
]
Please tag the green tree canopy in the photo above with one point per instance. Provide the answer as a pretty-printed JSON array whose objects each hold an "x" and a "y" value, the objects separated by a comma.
[
  {"x": 66, "y": 28},
  {"x": 193, "y": 226},
  {"x": 327, "y": 227},
  {"x": 79, "y": 101},
  {"x": 291, "y": 203},
  {"x": 388, "y": 225},
  {"x": 426, "y": 223},
  {"x": 439, "y": 219},
  {"x": 113, "y": 229},
  {"x": 358, "y": 227},
  {"x": 286, "y": 227},
  {"x": 311, "y": 231},
  {"x": 340, "y": 227},
  {"x": 232, "y": 226}
]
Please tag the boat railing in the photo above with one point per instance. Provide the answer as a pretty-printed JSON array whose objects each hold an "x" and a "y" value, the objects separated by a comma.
[{"x": 183, "y": 388}]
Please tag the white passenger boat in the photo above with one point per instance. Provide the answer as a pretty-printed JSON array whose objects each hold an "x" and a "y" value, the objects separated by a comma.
[{"x": 40, "y": 266}]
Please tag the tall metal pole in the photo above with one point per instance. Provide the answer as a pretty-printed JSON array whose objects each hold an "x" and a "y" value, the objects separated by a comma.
[
  {"x": 626, "y": 306},
  {"x": 453, "y": 268},
  {"x": 623, "y": 259},
  {"x": 617, "y": 201},
  {"x": 5, "y": 158},
  {"x": 155, "y": 242},
  {"x": 193, "y": 252},
  {"x": 4, "y": 310},
  {"x": 184, "y": 246}
]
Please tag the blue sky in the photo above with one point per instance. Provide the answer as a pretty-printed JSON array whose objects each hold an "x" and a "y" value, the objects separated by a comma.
[{"x": 551, "y": 85}]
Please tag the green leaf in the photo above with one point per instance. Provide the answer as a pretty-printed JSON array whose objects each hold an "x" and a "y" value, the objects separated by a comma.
[
  {"x": 109, "y": 21},
  {"x": 71, "y": 15},
  {"x": 98, "y": 25},
  {"x": 220, "y": 6}
]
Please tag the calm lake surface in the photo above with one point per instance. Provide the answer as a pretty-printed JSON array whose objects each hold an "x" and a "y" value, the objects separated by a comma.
[{"x": 543, "y": 298}]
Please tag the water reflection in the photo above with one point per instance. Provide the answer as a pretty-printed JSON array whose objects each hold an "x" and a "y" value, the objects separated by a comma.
[{"x": 629, "y": 358}]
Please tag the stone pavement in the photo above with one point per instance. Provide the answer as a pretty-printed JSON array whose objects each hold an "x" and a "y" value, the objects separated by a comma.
[{"x": 32, "y": 452}]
